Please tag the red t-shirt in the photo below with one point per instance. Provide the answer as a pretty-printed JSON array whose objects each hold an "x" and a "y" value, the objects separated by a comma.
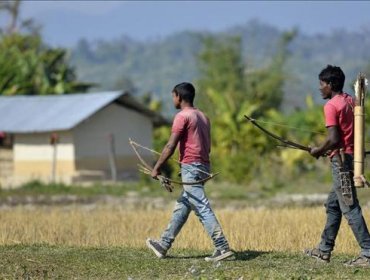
[
  {"x": 339, "y": 112},
  {"x": 195, "y": 137}
]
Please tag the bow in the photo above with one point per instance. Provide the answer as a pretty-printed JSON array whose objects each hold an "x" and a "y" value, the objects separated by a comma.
[
  {"x": 165, "y": 181},
  {"x": 288, "y": 143}
]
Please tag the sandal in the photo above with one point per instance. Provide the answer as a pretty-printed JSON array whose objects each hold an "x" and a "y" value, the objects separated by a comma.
[{"x": 317, "y": 254}]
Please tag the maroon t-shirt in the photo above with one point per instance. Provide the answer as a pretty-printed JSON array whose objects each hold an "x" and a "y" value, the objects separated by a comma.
[{"x": 195, "y": 137}]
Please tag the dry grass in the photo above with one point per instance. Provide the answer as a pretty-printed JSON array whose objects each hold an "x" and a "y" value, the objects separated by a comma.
[{"x": 248, "y": 229}]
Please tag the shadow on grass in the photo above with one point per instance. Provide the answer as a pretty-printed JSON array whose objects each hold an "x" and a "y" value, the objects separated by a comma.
[
  {"x": 239, "y": 256},
  {"x": 187, "y": 257},
  {"x": 248, "y": 255}
]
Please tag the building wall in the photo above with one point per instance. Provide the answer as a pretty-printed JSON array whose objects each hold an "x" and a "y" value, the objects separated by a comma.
[
  {"x": 92, "y": 140},
  {"x": 6, "y": 166},
  {"x": 33, "y": 157}
]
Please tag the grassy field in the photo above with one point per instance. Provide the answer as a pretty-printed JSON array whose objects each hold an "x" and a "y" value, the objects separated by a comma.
[
  {"x": 90, "y": 238},
  {"x": 105, "y": 242},
  {"x": 62, "y": 262},
  {"x": 261, "y": 229}
]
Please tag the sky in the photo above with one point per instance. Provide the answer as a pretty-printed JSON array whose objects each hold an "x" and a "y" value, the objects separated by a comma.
[{"x": 65, "y": 22}]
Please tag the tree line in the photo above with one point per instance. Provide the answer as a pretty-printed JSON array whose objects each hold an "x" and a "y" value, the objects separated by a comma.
[{"x": 27, "y": 65}]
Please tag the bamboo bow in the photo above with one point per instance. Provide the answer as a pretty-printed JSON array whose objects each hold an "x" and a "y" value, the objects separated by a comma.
[
  {"x": 287, "y": 143},
  {"x": 168, "y": 183}
]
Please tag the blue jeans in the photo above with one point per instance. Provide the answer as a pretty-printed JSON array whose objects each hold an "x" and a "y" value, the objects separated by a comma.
[
  {"x": 194, "y": 198},
  {"x": 335, "y": 207}
]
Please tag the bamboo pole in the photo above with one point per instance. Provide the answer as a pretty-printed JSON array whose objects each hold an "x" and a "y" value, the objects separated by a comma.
[
  {"x": 359, "y": 146},
  {"x": 359, "y": 131}
]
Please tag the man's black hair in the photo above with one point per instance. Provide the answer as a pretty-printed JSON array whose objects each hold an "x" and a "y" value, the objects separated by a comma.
[
  {"x": 186, "y": 91},
  {"x": 334, "y": 76}
]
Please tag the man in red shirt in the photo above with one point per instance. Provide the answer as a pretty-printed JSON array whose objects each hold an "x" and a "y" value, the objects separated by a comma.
[
  {"x": 339, "y": 121},
  {"x": 191, "y": 132}
]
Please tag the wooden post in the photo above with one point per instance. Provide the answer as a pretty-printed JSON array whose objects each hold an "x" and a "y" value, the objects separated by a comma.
[
  {"x": 54, "y": 142},
  {"x": 112, "y": 158}
]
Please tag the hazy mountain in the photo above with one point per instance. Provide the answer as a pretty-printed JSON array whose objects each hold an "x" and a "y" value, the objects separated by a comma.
[{"x": 155, "y": 66}]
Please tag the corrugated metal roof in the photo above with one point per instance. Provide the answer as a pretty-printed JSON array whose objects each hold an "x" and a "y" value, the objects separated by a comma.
[{"x": 25, "y": 114}]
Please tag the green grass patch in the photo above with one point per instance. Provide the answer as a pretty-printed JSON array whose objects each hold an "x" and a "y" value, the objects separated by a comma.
[
  {"x": 221, "y": 192},
  {"x": 116, "y": 189},
  {"x": 57, "y": 262}
]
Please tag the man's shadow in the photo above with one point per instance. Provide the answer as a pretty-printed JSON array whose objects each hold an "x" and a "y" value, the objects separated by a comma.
[
  {"x": 239, "y": 256},
  {"x": 249, "y": 255}
]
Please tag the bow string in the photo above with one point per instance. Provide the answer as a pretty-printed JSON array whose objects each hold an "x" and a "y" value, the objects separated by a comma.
[{"x": 287, "y": 143}]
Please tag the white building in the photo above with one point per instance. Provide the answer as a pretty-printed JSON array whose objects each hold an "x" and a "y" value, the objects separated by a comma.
[{"x": 92, "y": 134}]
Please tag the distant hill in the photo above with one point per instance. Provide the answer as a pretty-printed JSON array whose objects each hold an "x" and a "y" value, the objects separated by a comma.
[{"x": 155, "y": 66}]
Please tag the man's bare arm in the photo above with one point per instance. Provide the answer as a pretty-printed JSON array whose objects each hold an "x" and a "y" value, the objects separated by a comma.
[
  {"x": 330, "y": 142},
  {"x": 167, "y": 152}
]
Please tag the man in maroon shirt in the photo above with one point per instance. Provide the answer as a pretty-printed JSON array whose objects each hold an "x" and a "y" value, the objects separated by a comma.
[
  {"x": 191, "y": 132},
  {"x": 339, "y": 121}
]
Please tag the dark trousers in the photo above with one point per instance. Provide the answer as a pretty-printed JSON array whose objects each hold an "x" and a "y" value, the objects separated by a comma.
[{"x": 335, "y": 207}]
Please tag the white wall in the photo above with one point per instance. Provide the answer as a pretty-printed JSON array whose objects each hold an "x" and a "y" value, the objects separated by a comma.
[
  {"x": 33, "y": 158},
  {"x": 30, "y": 147},
  {"x": 91, "y": 137}
]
